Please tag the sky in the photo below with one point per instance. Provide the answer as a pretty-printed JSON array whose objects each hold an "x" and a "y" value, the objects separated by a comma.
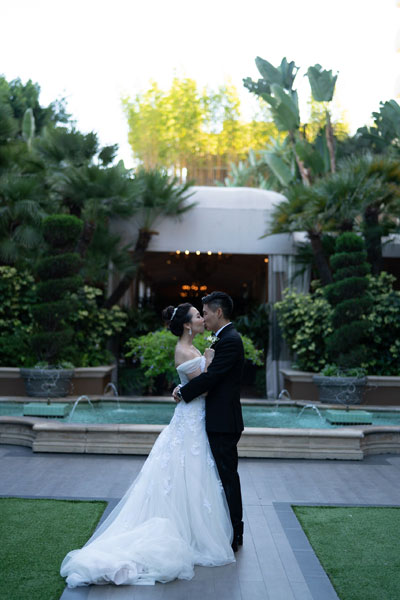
[{"x": 94, "y": 51}]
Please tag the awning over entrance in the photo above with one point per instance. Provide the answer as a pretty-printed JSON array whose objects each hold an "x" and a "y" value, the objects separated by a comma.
[{"x": 226, "y": 220}]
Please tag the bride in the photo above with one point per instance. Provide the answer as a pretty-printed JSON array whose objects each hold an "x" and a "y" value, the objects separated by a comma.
[{"x": 174, "y": 515}]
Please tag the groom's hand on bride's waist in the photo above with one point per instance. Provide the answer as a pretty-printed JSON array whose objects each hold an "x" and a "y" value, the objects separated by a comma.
[{"x": 176, "y": 394}]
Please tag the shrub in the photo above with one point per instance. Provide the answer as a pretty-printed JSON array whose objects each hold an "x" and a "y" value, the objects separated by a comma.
[
  {"x": 17, "y": 293},
  {"x": 154, "y": 354},
  {"x": 384, "y": 323},
  {"x": 93, "y": 328},
  {"x": 255, "y": 325},
  {"x": 305, "y": 321},
  {"x": 351, "y": 302},
  {"x": 52, "y": 336}
]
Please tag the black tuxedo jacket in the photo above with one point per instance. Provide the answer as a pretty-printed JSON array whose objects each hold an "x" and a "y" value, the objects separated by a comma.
[{"x": 222, "y": 382}]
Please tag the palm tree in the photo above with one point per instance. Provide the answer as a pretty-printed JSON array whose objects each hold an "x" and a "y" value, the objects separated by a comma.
[
  {"x": 156, "y": 195},
  {"x": 305, "y": 209},
  {"x": 23, "y": 204}
]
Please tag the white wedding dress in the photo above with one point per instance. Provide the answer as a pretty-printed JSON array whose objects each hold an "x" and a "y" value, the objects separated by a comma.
[{"x": 173, "y": 516}]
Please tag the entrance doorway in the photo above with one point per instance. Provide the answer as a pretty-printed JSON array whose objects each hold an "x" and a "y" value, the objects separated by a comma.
[{"x": 174, "y": 277}]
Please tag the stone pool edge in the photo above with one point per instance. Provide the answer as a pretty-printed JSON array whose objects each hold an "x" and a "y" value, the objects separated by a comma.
[{"x": 347, "y": 443}]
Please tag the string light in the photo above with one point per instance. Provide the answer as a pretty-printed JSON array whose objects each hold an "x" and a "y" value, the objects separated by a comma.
[
  {"x": 266, "y": 260},
  {"x": 187, "y": 252},
  {"x": 178, "y": 251}
]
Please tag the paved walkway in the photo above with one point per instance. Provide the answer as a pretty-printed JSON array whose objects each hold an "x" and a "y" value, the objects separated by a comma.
[{"x": 276, "y": 561}]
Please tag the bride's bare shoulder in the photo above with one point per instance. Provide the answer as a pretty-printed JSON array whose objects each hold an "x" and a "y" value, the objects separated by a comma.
[{"x": 182, "y": 355}]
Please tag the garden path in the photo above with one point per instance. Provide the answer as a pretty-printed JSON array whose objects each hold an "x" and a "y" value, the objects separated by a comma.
[{"x": 275, "y": 562}]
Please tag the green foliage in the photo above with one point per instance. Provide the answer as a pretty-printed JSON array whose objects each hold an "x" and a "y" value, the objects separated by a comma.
[
  {"x": 308, "y": 321},
  {"x": 255, "y": 325},
  {"x": 335, "y": 371},
  {"x": 52, "y": 336},
  {"x": 157, "y": 194},
  {"x": 56, "y": 288},
  {"x": 384, "y": 322},
  {"x": 59, "y": 266},
  {"x": 385, "y": 133},
  {"x": 17, "y": 298},
  {"x": 322, "y": 83},
  {"x": 347, "y": 344},
  {"x": 93, "y": 328},
  {"x": 62, "y": 231},
  {"x": 183, "y": 126},
  {"x": 305, "y": 321},
  {"x": 154, "y": 353}
]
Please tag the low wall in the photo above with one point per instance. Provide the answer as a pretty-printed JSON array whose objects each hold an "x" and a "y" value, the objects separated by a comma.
[
  {"x": 380, "y": 390},
  {"x": 86, "y": 380},
  {"x": 343, "y": 443}
]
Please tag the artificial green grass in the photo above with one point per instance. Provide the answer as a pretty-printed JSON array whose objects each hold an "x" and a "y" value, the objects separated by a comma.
[
  {"x": 359, "y": 548},
  {"x": 35, "y": 537}
]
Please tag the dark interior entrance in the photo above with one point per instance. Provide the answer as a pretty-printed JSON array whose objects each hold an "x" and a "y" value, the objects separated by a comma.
[{"x": 174, "y": 277}]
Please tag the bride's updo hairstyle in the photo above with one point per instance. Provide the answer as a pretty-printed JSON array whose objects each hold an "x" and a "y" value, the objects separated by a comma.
[{"x": 175, "y": 321}]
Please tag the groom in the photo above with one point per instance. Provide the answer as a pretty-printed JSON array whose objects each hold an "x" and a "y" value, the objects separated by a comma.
[{"x": 224, "y": 422}]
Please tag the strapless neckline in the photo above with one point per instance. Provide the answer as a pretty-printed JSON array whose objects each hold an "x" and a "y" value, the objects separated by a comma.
[{"x": 188, "y": 361}]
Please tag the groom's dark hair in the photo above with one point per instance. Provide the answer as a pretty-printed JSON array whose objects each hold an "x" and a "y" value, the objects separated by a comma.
[{"x": 219, "y": 300}]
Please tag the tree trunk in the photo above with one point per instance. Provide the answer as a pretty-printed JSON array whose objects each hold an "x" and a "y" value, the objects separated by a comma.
[
  {"x": 87, "y": 235},
  {"x": 372, "y": 236},
  {"x": 321, "y": 262},
  {"x": 330, "y": 141},
  {"x": 140, "y": 250}
]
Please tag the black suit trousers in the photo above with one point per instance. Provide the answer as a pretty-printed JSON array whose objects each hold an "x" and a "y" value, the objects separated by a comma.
[{"x": 224, "y": 449}]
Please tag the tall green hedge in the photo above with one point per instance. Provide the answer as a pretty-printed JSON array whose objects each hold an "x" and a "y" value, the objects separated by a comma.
[
  {"x": 347, "y": 345},
  {"x": 58, "y": 280}
]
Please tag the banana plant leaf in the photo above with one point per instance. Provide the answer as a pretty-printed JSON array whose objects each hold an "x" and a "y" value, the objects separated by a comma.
[
  {"x": 283, "y": 75},
  {"x": 28, "y": 125},
  {"x": 284, "y": 109},
  {"x": 322, "y": 83},
  {"x": 259, "y": 88},
  {"x": 279, "y": 168},
  {"x": 387, "y": 119},
  {"x": 310, "y": 156}
]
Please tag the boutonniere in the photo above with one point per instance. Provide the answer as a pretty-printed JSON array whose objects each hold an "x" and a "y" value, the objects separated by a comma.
[{"x": 212, "y": 339}]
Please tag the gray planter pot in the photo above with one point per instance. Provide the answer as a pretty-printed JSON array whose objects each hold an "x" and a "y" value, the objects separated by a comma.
[
  {"x": 47, "y": 383},
  {"x": 340, "y": 390}
]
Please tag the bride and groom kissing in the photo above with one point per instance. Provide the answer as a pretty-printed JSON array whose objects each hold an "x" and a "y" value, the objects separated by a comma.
[{"x": 185, "y": 507}]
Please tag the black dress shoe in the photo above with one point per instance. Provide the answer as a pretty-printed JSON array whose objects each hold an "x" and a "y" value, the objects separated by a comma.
[{"x": 237, "y": 541}]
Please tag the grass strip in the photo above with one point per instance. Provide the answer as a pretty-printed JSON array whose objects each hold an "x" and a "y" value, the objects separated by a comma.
[
  {"x": 359, "y": 548},
  {"x": 36, "y": 534}
]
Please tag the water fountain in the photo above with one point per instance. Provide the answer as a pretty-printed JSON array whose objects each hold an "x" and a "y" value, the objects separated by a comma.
[
  {"x": 76, "y": 404},
  {"x": 311, "y": 407},
  {"x": 283, "y": 394},
  {"x": 113, "y": 388}
]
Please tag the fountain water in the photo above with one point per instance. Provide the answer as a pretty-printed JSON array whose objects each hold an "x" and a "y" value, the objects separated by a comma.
[
  {"x": 312, "y": 407},
  {"x": 113, "y": 388},
  {"x": 283, "y": 394},
  {"x": 76, "y": 404}
]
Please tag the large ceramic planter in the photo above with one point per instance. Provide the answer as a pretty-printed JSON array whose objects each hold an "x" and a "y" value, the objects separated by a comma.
[
  {"x": 86, "y": 380},
  {"x": 340, "y": 390},
  {"x": 47, "y": 383}
]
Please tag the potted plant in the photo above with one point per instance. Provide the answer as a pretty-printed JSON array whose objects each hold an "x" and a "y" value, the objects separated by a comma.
[
  {"x": 346, "y": 346},
  {"x": 340, "y": 386},
  {"x": 52, "y": 334}
]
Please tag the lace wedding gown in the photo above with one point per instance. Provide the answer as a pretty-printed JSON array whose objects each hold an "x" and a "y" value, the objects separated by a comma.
[{"x": 173, "y": 516}]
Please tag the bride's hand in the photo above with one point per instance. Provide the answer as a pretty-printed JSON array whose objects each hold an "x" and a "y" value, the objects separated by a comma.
[{"x": 209, "y": 355}]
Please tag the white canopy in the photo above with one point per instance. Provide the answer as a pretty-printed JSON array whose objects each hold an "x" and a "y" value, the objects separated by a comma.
[{"x": 225, "y": 219}]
